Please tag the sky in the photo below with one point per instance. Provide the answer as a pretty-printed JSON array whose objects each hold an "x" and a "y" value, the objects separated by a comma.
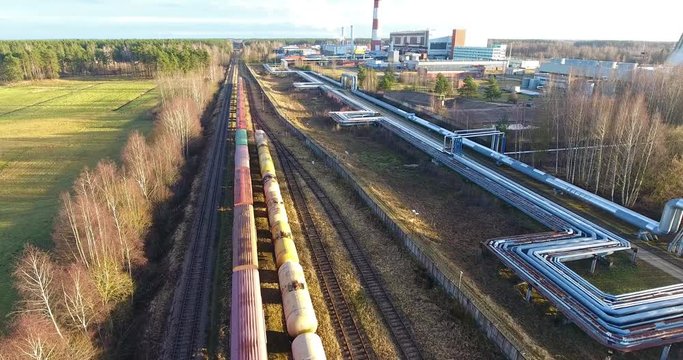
[{"x": 654, "y": 20}]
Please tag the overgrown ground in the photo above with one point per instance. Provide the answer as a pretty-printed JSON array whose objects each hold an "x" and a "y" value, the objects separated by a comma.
[
  {"x": 49, "y": 131},
  {"x": 450, "y": 216},
  {"x": 621, "y": 276}
]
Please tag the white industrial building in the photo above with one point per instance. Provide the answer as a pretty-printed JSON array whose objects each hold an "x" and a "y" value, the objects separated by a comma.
[
  {"x": 593, "y": 69},
  {"x": 345, "y": 49},
  {"x": 493, "y": 53},
  {"x": 294, "y": 50},
  {"x": 449, "y": 66}
]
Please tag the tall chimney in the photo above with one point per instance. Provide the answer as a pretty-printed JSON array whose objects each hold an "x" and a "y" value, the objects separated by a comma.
[
  {"x": 376, "y": 43},
  {"x": 342, "y": 37},
  {"x": 352, "y": 40}
]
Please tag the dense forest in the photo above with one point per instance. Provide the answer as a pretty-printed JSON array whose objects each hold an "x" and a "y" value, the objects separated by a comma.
[
  {"x": 36, "y": 60},
  {"x": 643, "y": 52}
]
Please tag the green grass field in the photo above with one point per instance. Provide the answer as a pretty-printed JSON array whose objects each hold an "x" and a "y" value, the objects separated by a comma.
[
  {"x": 49, "y": 131},
  {"x": 623, "y": 277}
]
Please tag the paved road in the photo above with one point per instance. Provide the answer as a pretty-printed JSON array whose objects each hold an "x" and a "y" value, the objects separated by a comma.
[{"x": 660, "y": 263}]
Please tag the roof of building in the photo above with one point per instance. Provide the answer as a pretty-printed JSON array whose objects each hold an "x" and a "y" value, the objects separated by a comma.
[{"x": 441, "y": 39}]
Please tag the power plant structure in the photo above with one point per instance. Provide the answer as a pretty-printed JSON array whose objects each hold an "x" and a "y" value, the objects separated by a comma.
[
  {"x": 626, "y": 322},
  {"x": 376, "y": 43}
]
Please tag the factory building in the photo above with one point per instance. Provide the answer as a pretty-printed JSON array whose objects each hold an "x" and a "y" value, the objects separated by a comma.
[
  {"x": 409, "y": 41},
  {"x": 439, "y": 48},
  {"x": 457, "y": 38},
  {"x": 345, "y": 49},
  {"x": 474, "y": 53},
  {"x": 295, "y": 50},
  {"x": 479, "y": 67},
  {"x": 424, "y": 43},
  {"x": 593, "y": 69}
]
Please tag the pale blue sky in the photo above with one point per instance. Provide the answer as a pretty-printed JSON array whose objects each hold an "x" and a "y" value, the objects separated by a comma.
[{"x": 577, "y": 19}]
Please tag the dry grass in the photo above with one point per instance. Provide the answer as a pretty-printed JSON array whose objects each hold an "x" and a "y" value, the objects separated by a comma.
[
  {"x": 427, "y": 308},
  {"x": 451, "y": 217},
  {"x": 348, "y": 276}
]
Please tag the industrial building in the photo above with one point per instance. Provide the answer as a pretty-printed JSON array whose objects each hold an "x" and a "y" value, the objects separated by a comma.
[
  {"x": 473, "y": 67},
  {"x": 295, "y": 50},
  {"x": 593, "y": 69},
  {"x": 423, "y": 42},
  {"x": 344, "y": 47},
  {"x": 524, "y": 64},
  {"x": 494, "y": 53},
  {"x": 409, "y": 41}
]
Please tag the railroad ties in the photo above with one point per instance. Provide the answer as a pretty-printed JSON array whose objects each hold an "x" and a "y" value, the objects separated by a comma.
[
  {"x": 353, "y": 341},
  {"x": 186, "y": 331}
]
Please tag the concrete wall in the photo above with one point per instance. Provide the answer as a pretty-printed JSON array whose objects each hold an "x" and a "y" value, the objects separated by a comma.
[{"x": 440, "y": 271}]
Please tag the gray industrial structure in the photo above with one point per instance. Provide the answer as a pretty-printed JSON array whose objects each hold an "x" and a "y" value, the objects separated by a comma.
[
  {"x": 593, "y": 69},
  {"x": 493, "y": 53},
  {"x": 409, "y": 41},
  {"x": 676, "y": 57}
]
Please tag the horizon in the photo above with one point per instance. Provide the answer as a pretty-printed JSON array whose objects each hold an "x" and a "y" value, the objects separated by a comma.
[
  {"x": 310, "y": 38},
  {"x": 291, "y": 19}
]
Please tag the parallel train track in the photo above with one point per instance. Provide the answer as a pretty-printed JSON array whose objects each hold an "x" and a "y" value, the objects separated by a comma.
[
  {"x": 186, "y": 330},
  {"x": 354, "y": 343}
]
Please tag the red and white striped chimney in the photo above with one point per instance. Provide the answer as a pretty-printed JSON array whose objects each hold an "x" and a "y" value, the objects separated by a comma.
[{"x": 376, "y": 43}]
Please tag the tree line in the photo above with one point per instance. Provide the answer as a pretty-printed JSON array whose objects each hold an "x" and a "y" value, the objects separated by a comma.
[
  {"x": 260, "y": 50},
  {"x": 623, "y": 139},
  {"x": 644, "y": 52},
  {"x": 37, "y": 60},
  {"x": 76, "y": 300}
]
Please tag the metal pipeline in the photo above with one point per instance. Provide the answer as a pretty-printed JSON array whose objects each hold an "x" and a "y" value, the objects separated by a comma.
[
  {"x": 626, "y": 322},
  {"x": 672, "y": 215}
]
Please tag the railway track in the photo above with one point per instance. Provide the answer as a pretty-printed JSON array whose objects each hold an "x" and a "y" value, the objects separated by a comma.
[
  {"x": 354, "y": 344},
  {"x": 186, "y": 331}
]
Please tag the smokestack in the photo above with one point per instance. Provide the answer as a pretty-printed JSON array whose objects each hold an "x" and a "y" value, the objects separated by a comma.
[
  {"x": 342, "y": 37},
  {"x": 352, "y": 40},
  {"x": 376, "y": 43}
]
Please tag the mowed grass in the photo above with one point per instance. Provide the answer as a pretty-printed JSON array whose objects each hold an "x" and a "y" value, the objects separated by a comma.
[
  {"x": 50, "y": 131},
  {"x": 622, "y": 277}
]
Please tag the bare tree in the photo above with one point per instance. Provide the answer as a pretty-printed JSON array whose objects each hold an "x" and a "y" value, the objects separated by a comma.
[
  {"x": 81, "y": 301},
  {"x": 34, "y": 275}
]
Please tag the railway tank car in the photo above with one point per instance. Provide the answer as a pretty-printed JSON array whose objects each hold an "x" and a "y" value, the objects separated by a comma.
[
  {"x": 296, "y": 300},
  {"x": 308, "y": 346},
  {"x": 247, "y": 321},
  {"x": 300, "y": 317},
  {"x": 285, "y": 249}
]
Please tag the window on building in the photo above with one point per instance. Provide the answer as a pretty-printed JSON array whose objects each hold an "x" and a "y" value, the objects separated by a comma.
[
  {"x": 438, "y": 45},
  {"x": 413, "y": 40},
  {"x": 397, "y": 40}
]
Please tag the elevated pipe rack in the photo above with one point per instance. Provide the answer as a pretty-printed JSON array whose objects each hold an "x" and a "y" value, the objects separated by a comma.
[{"x": 625, "y": 322}]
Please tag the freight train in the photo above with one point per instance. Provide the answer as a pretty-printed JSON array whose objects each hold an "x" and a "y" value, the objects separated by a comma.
[
  {"x": 296, "y": 300},
  {"x": 247, "y": 322}
]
